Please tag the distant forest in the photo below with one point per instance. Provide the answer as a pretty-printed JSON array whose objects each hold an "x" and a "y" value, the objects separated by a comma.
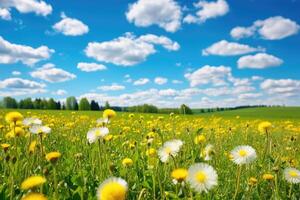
[{"x": 83, "y": 104}]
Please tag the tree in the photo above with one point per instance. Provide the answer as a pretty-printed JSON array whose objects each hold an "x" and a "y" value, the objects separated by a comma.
[
  {"x": 9, "y": 102},
  {"x": 107, "y": 106},
  {"x": 184, "y": 109},
  {"x": 71, "y": 103},
  {"x": 84, "y": 104},
  {"x": 51, "y": 104},
  {"x": 94, "y": 105}
]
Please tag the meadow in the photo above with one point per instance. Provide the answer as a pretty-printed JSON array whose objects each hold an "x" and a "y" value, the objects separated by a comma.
[{"x": 241, "y": 154}]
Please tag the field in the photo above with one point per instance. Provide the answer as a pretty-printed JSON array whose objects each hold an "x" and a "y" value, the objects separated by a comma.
[{"x": 141, "y": 151}]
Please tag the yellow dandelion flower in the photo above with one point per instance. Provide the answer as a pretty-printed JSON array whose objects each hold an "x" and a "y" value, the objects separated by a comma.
[
  {"x": 34, "y": 196},
  {"x": 199, "y": 139},
  {"x": 109, "y": 113},
  {"x": 32, "y": 146},
  {"x": 268, "y": 177},
  {"x": 151, "y": 152},
  {"x": 5, "y": 146},
  {"x": 264, "y": 127},
  {"x": 53, "y": 156},
  {"x": 252, "y": 181},
  {"x": 112, "y": 189},
  {"x": 13, "y": 117},
  {"x": 179, "y": 174},
  {"x": 32, "y": 182},
  {"x": 127, "y": 162}
]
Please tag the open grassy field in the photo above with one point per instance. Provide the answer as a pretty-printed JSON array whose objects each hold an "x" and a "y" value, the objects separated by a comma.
[{"x": 241, "y": 154}]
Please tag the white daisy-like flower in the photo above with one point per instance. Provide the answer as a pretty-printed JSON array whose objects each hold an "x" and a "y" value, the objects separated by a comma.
[
  {"x": 30, "y": 121},
  {"x": 39, "y": 129},
  {"x": 96, "y": 133},
  {"x": 207, "y": 152},
  {"x": 102, "y": 121},
  {"x": 112, "y": 188},
  {"x": 170, "y": 148},
  {"x": 292, "y": 175},
  {"x": 243, "y": 155},
  {"x": 202, "y": 177}
]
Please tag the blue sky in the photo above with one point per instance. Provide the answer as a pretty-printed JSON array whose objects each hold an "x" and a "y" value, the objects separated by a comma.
[{"x": 163, "y": 52}]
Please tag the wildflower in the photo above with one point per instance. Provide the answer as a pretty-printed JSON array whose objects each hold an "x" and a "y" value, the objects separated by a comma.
[
  {"x": 39, "y": 129},
  {"x": 34, "y": 196},
  {"x": 18, "y": 131},
  {"x": 102, "y": 121},
  {"x": 32, "y": 146},
  {"x": 13, "y": 117},
  {"x": 292, "y": 175},
  {"x": 108, "y": 138},
  {"x": 131, "y": 115},
  {"x": 96, "y": 133},
  {"x": 109, "y": 113},
  {"x": 170, "y": 148},
  {"x": 32, "y": 182},
  {"x": 268, "y": 177},
  {"x": 30, "y": 121},
  {"x": 150, "y": 152},
  {"x": 199, "y": 139},
  {"x": 252, "y": 181},
  {"x": 264, "y": 127},
  {"x": 243, "y": 155},
  {"x": 53, "y": 156},
  {"x": 5, "y": 146},
  {"x": 207, "y": 152},
  {"x": 179, "y": 174},
  {"x": 127, "y": 162},
  {"x": 112, "y": 189},
  {"x": 202, "y": 177}
]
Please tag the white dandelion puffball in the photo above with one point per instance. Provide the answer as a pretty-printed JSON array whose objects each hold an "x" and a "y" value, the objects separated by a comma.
[
  {"x": 202, "y": 177},
  {"x": 243, "y": 155},
  {"x": 30, "y": 121},
  {"x": 39, "y": 129},
  {"x": 169, "y": 148}
]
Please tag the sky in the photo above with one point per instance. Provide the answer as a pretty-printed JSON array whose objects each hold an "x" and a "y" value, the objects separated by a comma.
[{"x": 214, "y": 53}]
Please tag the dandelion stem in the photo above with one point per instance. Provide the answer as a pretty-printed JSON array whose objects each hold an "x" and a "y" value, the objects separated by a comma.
[{"x": 239, "y": 170}]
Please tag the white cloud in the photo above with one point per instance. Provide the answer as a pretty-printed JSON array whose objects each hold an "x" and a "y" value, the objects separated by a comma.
[
  {"x": 160, "y": 80},
  {"x": 112, "y": 87},
  {"x": 207, "y": 10},
  {"x": 141, "y": 81},
  {"x": 259, "y": 61},
  {"x": 52, "y": 74},
  {"x": 16, "y": 73},
  {"x": 287, "y": 87},
  {"x": 168, "y": 92},
  {"x": 164, "y": 13},
  {"x": 272, "y": 28},
  {"x": 60, "y": 92},
  {"x": 27, "y": 6},
  {"x": 5, "y": 14},
  {"x": 13, "y": 53},
  {"x": 128, "y": 50},
  {"x": 225, "y": 48},
  {"x": 177, "y": 81},
  {"x": 249, "y": 95},
  {"x": 91, "y": 67},
  {"x": 19, "y": 86},
  {"x": 209, "y": 74},
  {"x": 70, "y": 26}
]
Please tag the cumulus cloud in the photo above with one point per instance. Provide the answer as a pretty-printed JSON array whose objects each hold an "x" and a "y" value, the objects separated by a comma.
[
  {"x": 91, "y": 67},
  {"x": 128, "y": 50},
  {"x": 16, "y": 73},
  {"x": 177, "y": 81},
  {"x": 164, "y": 13},
  {"x": 141, "y": 81},
  {"x": 272, "y": 28},
  {"x": 50, "y": 73},
  {"x": 5, "y": 14},
  {"x": 19, "y": 86},
  {"x": 160, "y": 80},
  {"x": 60, "y": 92},
  {"x": 70, "y": 26},
  {"x": 209, "y": 74},
  {"x": 25, "y": 6},
  {"x": 13, "y": 53},
  {"x": 207, "y": 10},
  {"x": 286, "y": 87},
  {"x": 225, "y": 48},
  {"x": 112, "y": 87},
  {"x": 259, "y": 61}
]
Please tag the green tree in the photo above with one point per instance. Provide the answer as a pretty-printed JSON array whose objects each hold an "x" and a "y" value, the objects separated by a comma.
[
  {"x": 184, "y": 109},
  {"x": 51, "y": 104},
  {"x": 9, "y": 102},
  {"x": 106, "y": 106},
  {"x": 94, "y": 105},
  {"x": 84, "y": 104},
  {"x": 71, "y": 103}
]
